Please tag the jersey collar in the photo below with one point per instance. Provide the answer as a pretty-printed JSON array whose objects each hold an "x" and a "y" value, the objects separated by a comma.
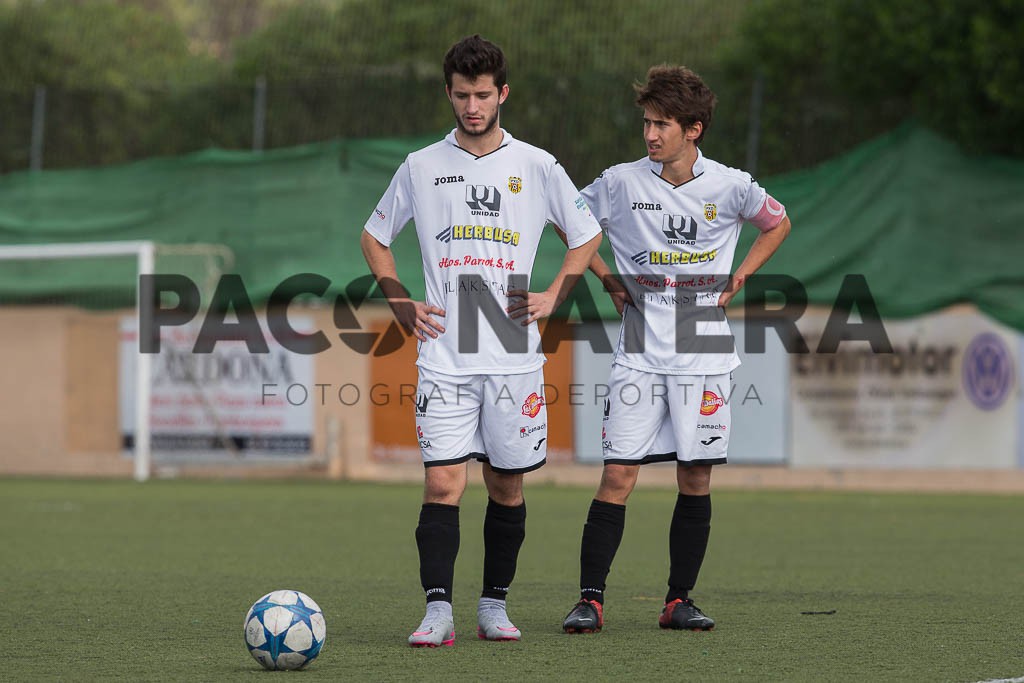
[
  {"x": 506, "y": 138},
  {"x": 698, "y": 167}
]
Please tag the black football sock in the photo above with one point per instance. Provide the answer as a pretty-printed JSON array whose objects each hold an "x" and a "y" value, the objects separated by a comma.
[
  {"x": 504, "y": 531},
  {"x": 601, "y": 537},
  {"x": 437, "y": 538},
  {"x": 687, "y": 542}
]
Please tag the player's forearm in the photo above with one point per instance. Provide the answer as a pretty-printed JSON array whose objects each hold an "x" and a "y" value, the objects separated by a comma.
[
  {"x": 597, "y": 265},
  {"x": 766, "y": 244},
  {"x": 575, "y": 264},
  {"x": 382, "y": 264}
]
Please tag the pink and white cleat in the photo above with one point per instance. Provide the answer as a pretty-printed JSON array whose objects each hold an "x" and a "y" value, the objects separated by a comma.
[
  {"x": 434, "y": 631},
  {"x": 493, "y": 624}
]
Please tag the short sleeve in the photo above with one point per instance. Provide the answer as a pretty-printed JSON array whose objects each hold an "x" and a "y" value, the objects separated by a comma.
[
  {"x": 394, "y": 210},
  {"x": 596, "y": 195},
  {"x": 568, "y": 209},
  {"x": 761, "y": 209}
]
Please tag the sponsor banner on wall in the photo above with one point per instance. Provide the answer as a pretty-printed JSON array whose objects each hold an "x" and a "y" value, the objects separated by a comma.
[
  {"x": 226, "y": 403},
  {"x": 946, "y": 397},
  {"x": 757, "y": 397}
]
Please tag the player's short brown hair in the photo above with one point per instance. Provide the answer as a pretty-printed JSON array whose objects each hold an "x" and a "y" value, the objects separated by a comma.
[
  {"x": 678, "y": 93},
  {"x": 474, "y": 56}
]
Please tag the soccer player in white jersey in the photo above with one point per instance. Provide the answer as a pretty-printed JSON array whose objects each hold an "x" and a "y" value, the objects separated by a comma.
[
  {"x": 673, "y": 220},
  {"x": 480, "y": 200}
]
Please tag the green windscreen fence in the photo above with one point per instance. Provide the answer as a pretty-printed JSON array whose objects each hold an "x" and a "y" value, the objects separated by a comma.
[{"x": 925, "y": 225}]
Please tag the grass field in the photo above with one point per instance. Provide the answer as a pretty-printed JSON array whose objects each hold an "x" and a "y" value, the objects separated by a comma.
[{"x": 120, "y": 581}]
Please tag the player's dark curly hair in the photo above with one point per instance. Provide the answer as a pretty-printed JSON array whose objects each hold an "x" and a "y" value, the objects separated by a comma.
[
  {"x": 679, "y": 93},
  {"x": 474, "y": 56}
]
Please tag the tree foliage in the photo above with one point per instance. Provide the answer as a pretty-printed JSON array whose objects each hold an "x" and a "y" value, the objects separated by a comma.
[
  {"x": 127, "y": 79},
  {"x": 860, "y": 66}
]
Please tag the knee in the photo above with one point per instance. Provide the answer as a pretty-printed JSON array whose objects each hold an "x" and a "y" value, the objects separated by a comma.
[
  {"x": 445, "y": 490},
  {"x": 617, "y": 482},
  {"x": 505, "y": 489},
  {"x": 695, "y": 480}
]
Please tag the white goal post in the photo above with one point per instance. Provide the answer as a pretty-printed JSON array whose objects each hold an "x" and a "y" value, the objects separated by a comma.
[{"x": 145, "y": 254}]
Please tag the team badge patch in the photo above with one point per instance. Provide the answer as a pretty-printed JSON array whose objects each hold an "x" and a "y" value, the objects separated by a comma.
[
  {"x": 710, "y": 211},
  {"x": 515, "y": 184},
  {"x": 532, "y": 405}
]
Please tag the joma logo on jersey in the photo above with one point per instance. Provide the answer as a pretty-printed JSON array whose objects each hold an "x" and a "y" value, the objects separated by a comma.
[
  {"x": 483, "y": 233},
  {"x": 645, "y": 206},
  {"x": 679, "y": 229},
  {"x": 445, "y": 179},
  {"x": 672, "y": 258},
  {"x": 483, "y": 199}
]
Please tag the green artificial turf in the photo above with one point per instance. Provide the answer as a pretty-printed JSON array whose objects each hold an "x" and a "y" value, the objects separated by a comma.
[{"x": 122, "y": 581}]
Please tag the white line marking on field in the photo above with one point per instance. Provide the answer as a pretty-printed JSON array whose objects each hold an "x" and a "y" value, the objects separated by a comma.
[{"x": 1019, "y": 679}]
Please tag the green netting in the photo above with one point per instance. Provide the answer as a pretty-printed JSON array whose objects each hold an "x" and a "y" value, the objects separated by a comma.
[{"x": 926, "y": 225}]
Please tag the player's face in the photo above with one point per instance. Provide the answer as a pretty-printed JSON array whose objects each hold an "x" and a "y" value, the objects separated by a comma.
[
  {"x": 667, "y": 141},
  {"x": 476, "y": 103}
]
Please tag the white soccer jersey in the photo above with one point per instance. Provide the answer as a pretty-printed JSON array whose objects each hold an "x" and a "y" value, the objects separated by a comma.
[
  {"x": 674, "y": 248},
  {"x": 479, "y": 221}
]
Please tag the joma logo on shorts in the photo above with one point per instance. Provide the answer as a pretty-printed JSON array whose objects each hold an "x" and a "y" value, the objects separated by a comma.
[{"x": 445, "y": 179}]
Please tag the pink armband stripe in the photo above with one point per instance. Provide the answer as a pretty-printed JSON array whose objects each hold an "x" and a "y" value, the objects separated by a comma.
[{"x": 770, "y": 215}]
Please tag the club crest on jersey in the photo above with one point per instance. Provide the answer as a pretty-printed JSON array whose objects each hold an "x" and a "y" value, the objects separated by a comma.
[
  {"x": 515, "y": 184},
  {"x": 710, "y": 403},
  {"x": 532, "y": 405},
  {"x": 710, "y": 211}
]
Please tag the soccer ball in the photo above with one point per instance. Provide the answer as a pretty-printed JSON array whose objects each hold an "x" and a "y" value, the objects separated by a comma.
[{"x": 285, "y": 630}]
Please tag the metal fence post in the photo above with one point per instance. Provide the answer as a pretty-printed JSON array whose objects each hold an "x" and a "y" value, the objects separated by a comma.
[
  {"x": 259, "y": 114},
  {"x": 38, "y": 129},
  {"x": 754, "y": 125}
]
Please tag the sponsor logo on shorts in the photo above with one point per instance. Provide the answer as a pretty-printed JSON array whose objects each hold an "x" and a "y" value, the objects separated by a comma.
[
  {"x": 424, "y": 443},
  {"x": 717, "y": 428},
  {"x": 527, "y": 431},
  {"x": 537, "y": 447},
  {"x": 709, "y": 441},
  {"x": 421, "y": 404},
  {"x": 532, "y": 405},
  {"x": 710, "y": 403}
]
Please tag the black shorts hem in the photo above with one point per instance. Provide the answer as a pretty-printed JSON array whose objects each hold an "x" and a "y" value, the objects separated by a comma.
[
  {"x": 646, "y": 460},
  {"x": 664, "y": 457},
  {"x": 512, "y": 470},
  {"x": 453, "y": 461}
]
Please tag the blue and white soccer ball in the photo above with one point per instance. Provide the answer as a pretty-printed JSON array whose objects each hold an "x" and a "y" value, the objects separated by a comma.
[{"x": 285, "y": 630}]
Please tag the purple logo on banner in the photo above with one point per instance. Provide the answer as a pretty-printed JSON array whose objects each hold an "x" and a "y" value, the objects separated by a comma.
[{"x": 988, "y": 371}]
